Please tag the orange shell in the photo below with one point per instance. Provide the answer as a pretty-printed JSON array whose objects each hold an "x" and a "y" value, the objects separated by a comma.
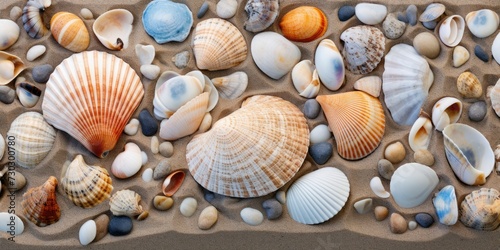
[
  {"x": 304, "y": 24},
  {"x": 70, "y": 31},
  {"x": 40, "y": 204}
]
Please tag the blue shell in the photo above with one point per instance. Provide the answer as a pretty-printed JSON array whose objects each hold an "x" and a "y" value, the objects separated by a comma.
[
  {"x": 167, "y": 21},
  {"x": 446, "y": 205}
]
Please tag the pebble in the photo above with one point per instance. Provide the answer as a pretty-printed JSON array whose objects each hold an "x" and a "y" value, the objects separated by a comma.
[
  {"x": 460, "y": 56},
  {"x": 398, "y": 224},
  {"x": 281, "y": 197},
  {"x": 402, "y": 17},
  {"x": 15, "y": 13},
  {"x": 155, "y": 144},
  {"x": 42, "y": 73},
  {"x": 226, "y": 8},
  {"x": 181, "y": 59},
  {"x": 477, "y": 111},
  {"x": 392, "y": 27},
  {"x": 273, "y": 209},
  {"x": 424, "y": 220},
  {"x": 251, "y": 216},
  {"x": 35, "y": 52},
  {"x": 381, "y": 213},
  {"x": 321, "y": 152},
  {"x": 411, "y": 14},
  {"x": 370, "y": 13},
  {"x": 87, "y": 232},
  {"x": 144, "y": 157},
  {"x": 7, "y": 95},
  {"x": 208, "y": 218},
  {"x": 427, "y": 44},
  {"x": 378, "y": 188},
  {"x": 132, "y": 127},
  {"x": 102, "y": 222},
  {"x": 203, "y": 10},
  {"x": 363, "y": 206},
  {"x": 147, "y": 175},
  {"x": 481, "y": 54},
  {"x": 430, "y": 24},
  {"x": 6, "y": 219},
  {"x": 311, "y": 109},
  {"x": 395, "y": 152},
  {"x": 162, "y": 170},
  {"x": 86, "y": 14},
  {"x": 166, "y": 149},
  {"x": 120, "y": 225},
  {"x": 346, "y": 12},
  {"x": 15, "y": 181},
  {"x": 412, "y": 225},
  {"x": 188, "y": 206},
  {"x": 385, "y": 169},
  {"x": 208, "y": 195},
  {"x": 205, "y": 123},
  {"x": 145, "y": 53},
  {"x": 149, "y": 126},
  {"x": 151, "y": 71},
  {"x": 424, "y": 156},
  {"x": 163, "y": 203},
  {"x": 320, "y": 133},
  {"x": 144, "y": 215}
]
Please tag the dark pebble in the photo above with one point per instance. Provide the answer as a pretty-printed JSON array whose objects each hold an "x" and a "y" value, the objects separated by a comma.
[
  {"x": 208, "y": 195},
  {"x": 273, "y": 208},
  {"x": 120, "y": 225},
  {"x": 7, "y": 95},
  {"x": 402, "y": 17},
  {"x": 203, "y": 10},
  {"x": 481, "y": 54},
  {"x": 477, "y": 111},
  {"x": 346, "y": 12},
  {"x": 411, "y": 14},
  {"x": 321, "y": 152},
  {"x": 430, "y": 24},
  {"x": 424, "y": 220},
  {"x": 311, "y": 109},
  {"x": 148, "y": 123},
  {"x": 42, "y": 73}
]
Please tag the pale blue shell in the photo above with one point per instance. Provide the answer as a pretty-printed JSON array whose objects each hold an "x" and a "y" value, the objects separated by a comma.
[
  {"x": 446, "y": 205},
  {"x": 167, "y": 21}
]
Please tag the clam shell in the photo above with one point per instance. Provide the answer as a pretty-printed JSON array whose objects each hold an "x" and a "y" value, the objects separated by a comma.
[
  {"x": 481, "y": 209},
  {"x": 364, "y": 47},
  {"x": 231, "y": 86},
  {"x": 167, "y": 21},
  {"x": 113, "y": 28},
  {"x": 32, "y": 18},
  {"x": 329, "y": 64},
  {"x": 412, "y": 183},
  {"x": 305, "y": 79},
  {"x": 251, "y": 152},
  {"x": 357, "y": 121},
  {"x": 28, "y": 94},
  {"x": 446, "y": 111},
  {"x": 495, "y": 98},
  {"x": 445, "y": 203},
  {"x": 70, "y": 31},
  {"x": 432, "y": 12},
  {"x": 261, "y": 14},
  {"x": 304, "y": 24},
  {"x": 85, "y": 185},
  {"x": 40, "y": 203},
  {"x": 378, "y": 188},
  {"x": 174, "y": 93},
  {"x": 469, "y": 85},
  {"x": 406, "y": 81},
  {"x": 370, "y": 85},
  {"x": 10, "y": 67},
  {"x": 125, "y": 202},
  {"x": 482, "y": 23},
  {"x": 9, "y": 34},
  {"x": 317, "y": 196},
  {"x": 452, "y": 30},
  {"x": 420, "y": 133},
  {"x": 173, "y": 182}
]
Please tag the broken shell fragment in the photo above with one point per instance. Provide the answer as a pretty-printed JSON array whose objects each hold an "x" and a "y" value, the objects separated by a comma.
[
  {"x": 452, "y": 30},
  {"x": 173, "y": 182},
  {"x": 113, "y": 28}
]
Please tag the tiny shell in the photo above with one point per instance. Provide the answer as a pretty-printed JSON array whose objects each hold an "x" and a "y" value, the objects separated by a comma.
[
  {"x": 231, "y": 86},
  {"x": 226, "y": 8},
  {"x": 329, "y": 64},
  {"x": 125, "y": 202},
  {"x": 28, "y": 94},
  {"x": 445, "y": 203},
  {"x": 412, "y": 183},
  {"x": 128, "y": 162},
  {"x": 32, "y": 18},
  {"x": 432, "y": 12},
  {"x": 252, "y": 216},
  {"x": 460, "y": 56},
  {"x": 378, "y": 188},
  {"x": 188, "y": 206},
  {"x": 6, "y": 219},
  {"x": 305, "y": 79},
  {"x": 261, "y": 14},
  {"x": 420, "y": 133},
  {"x": 371, "y": 14},
  {"x": 364, "y": 47},
  {"x": 10, "y": 67},
  {"x": 40, "y": 204},
  {"x": 70, "y": 31},
  {"x": 481, "y": 209},
  {"x": 304, "y": 24},
  {"x": 370, "y": 85},
  {"x": 482, "y": 23},
  {"x": 452, "y": 30},
  {"x": 113, "y": 28},
  {"x": 35, "y": 52},
  {"x": 446, "y": 111},
  {"x": 87, "y": 232},
  {"x": 167, "y": 21},
  {"x": 145, "y": 53},
  {"x": 469, "y": 85},
  {"x": 173, "y": 182},
  {"x": 9, "y": 34}
]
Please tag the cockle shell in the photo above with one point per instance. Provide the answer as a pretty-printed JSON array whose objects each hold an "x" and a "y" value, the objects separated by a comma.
[
  {"x": 91, "y": 96},
  {"x": 9, "y": 34},
  {"x": 469, "y": 153},
  {"x": 412, "y": 183},
  {"x": 304, "y": 24},
  {"x": 173, "y": 182},
  {"x": 452, "y": 30},
  {"x": 231, "y": 86},
  {"x": 369, "y": 84},
  {"x": 40, "y": 204},
  {"x": 364, "y": 47},
  {"x": 406, "y": 81},
  {"x": 357, "y": 121},
  {"x": 242, "y": 156},
  {"x": 85, "y": 185},
  {"x": 217, "y": 44},
  {"x": 34, "y": 139},
  {"x": 329, "y": 64},
  {"x": 305, "y": 79},
  {"x": 481, "y": 209},
  {"x": 446, "y": 111},
  {"x": 167, "y": 21},
  {"x": 113, "y": 28},
  {"x": 128, "y": 162},
  {"x": 32, "y": 18},
  {"x": 69, "y": 31},
  {"x": 317, "y": 196},
  {"x": 482, "y": 23},
  {"x": 495, "y": 98},
  {"x": 125, "y": 202},
  {"x": 432, "y": 12},
  {"x": 10, "y": 67},
  {"x": 445, "y": 203},
  {"x": 420, "y": 133},
  {"x": 261, "y": 14},
  {"x": 469, "y": 85}
]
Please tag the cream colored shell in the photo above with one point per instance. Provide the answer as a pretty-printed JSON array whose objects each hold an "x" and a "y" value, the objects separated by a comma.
[
  {"x": 70, "y": 31},
  {"x": 125, "y": 202}
]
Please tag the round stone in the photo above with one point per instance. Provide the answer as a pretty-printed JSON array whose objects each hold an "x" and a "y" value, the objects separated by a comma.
[
  {"x": 120, "y": 225},
  {"x": 208, "y": 195},
  {"x": 424, "y": 220},
  {"x": 381, "y": 213},
  {"x": 411, "y": 14},
  {"x": 311, "y": 109},
  {"x": 398, "y": 224},
  {"x": 163, "y": 203},
  {"x": 402, "y": 17},
  {"x": 460, "y": 56},
  {"x": 87, "y": 232},
  {"x": 101, "y": 222},
  {"x": 392, "y": 27},
  {"x": 477, "y": 111},
  {"x": 208, "y": 218},
  {"x": 86, "y": 14},
  {"x": 385, "y": 169},
  {"x": 188, "y": 206},
  {"x": 395, "y": 152},
  {"x": 320, "y": 133},
  {"x": 42, "y": 73},
  {"x": 148, "y": 123},
  {"x": 166, "y": 149},
  {"x": 273, "y": 208},
  {"x": 481, "y": 53},
  {"x": 412, "y": 225},
  {"x": 7, "y": 95},
  {"x": 346, "y": 12},
  {"x": 251, "y": 216},
  {"x": 424, "y": 156},
  {"x": 162, "y": 170},
  {"x": 321, "y": 152},
  {"x": 426, "y": 44}
]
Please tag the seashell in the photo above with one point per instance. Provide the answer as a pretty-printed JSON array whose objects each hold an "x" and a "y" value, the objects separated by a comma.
[
  {"x": 79, "y": 75},
  {"x": 10, "y": 67},
  {"x": 125, "y": 202},
  {"x": 482, "y": 23},
  {"x": 495, "y": 98},
  {"x": 304, "y": 24},
  {"x": 370, "y": 13},
  {"x": 128, "y": 162},
  {"x": 167, "y": 21},
  {"x": 231, "y": 86},
  {"x": 69, "y": 31},
  {"x": 363, "y": 206},
  {"x": 460, "y": 56},
  {"x": 35, "y": 52},
  {"x": 40, "y": 203},
  {"x": 420, "y": 133},
  {"x": 32, "y": 18},
  {"x": 469, "y": 86},
  {"x": 305, "y": 79},
  {"x": 145, "y": 53},
  {"x": 317, "y": 196},
  {"x": 406, "y": 81},
  {"x": 445, "y": 203},
  {"x": 34, "y": 139},
  {"x": 452, "y": 30},
  {"x": 218, "y": 44},
  {"x": 412, "y": 183},
  {"x": 481, "y": 209},
  {"x": 424, "y": 156},
  {"x": 495, "y": 49},
  {"x": 378, "y": 188},
  {"x": 370, "y": 85},
  {"x": 9, "y": 34},
  {"x": 469, "y": 153},
  {"x": 113, "y": 28},
  {"x": 261, "y": 14},
  {"x": 364, "y": 47},
  {"x": 357, "y": 121},
  {"x": 28, "y": 94},
  {"x": 211, "y": 155},
  {"x": 392, "y": 27},
  {"x": 446, "y": 111},
  {"x": 274, "y": 54},
  {"x": 329, "y": 64},
  {"x": 226, "y": 8},
  {"x": 432, "y": 12},
  {"x": 173, "y": 182}
]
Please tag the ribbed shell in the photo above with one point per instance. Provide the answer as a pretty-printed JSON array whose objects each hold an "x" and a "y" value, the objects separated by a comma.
[
  {"x": 481, "y": 209},
  {"x": 40, "y": 203},
  {"x": 261, "y": 14},
  {"x": 32, "y": 18},
  {"x": 364, "y": 47},
  {"x": 85, "y": 185},
  {"x": 125, "y": 202},
  {"x": 167, "y": 21},
  {"x": 231, "y": 86},
  {"x": 70, "y": 31},
  {"x": 91, "y": 96},
  {"x": 357, "y": 121},
  {"x": 218, "y": 44},
  {"x": 251, "y": 152},
  {"x": 304, "y": 24}
]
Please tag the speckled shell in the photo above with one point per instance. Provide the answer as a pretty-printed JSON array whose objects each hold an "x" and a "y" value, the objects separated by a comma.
[
  {"x": 495, "y": 98},
  {"x": 364, "y": 47},
  {"x": 9, "y": 34},
  {"x": 304, "y": 24},
  {"x": 113, "y": 28},
  {"x": 167, "y": 21},
  {"x": 32, "y": 18},
  {"x": 251, "y": 152},
  {"x": 40, "y": 204},
  {"x": 261, "y": 14},
  {"x": 469, "y": 85},
  {"x": 69, "y": 31},
  {"x": 481, "y": 209},
  {"x": 10, "y": 67},
  {"x": 125, "y": 202}
]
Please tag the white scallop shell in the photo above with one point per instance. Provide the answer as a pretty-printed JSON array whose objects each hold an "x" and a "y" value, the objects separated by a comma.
[
  {"x": 305, "y": 79},
  {"x": 445, "y": 203},
  {"x": 329, "y": 64},
  {"x": 231, "y": 86},
  {"x": 113, "y": 28},
  {"x": 452, "y": 30},
  {"x": 412, "y": 183},
  {"x": 482, "y": 23},
  {"x": 420, "y": 133},
  {"x": 445, "y": 112},
  {"x": 9, "y": 34}
]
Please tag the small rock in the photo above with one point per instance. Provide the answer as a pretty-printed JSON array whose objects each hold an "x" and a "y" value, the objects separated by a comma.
[
  {"x": 481, "y": 54},
  {"x": 7, "y": 95},
  {"x": 477, "y": 111},
  {"x": 203, "y": 9},
  {"x": 163, "y": 203},
  {"x": 166, "y": 149},
  {"x": 13, "y": 182},
  {"x": 346, "y": 12},
  {"x": 42, "y": 73},
  {"x": 209, "y": 196},
  {"x": 149, "y": 126},
  {"x": 147, "y": 175},
  {"x": 412, "y": 225},
  {"x": 7, "y": 218},
  {"x": 381, "y": 213},
  {"x": 188, "y": 206},
  {"x": 132, "y": 127},
  {"x": 281, "y": 196},
  {"x": 155, "y": 145},
  {"x": 273, "y": 208},
  {"x": 320, "y": 133},
  {"x": 424, "y": 156},
  {"x": 205, "y": 123},
  {"x": 385, "y": 169},
  {"x": 411, "y": 14},
  {"x": 321, "y": 152},
  {"x": 151, "y": 71},
  {"x": 392, "y": 27},
  {"x": 15, "y": 13},
  {"x": 120, "y": 225},
  {"x": 311, "y": 109},
  {"x": 427, "y": 44},
  {"x": 145, "y": 53},
  {"x": 162, "y": 170},
  {"x": 86, "y": 14},
  {"x": 370, "y": 13},
  {"x": 208, "y": 218},
  {"x": 143, "y": 215},
  {"x": 35, "y": 52},
  {"x": 251, "y": 216},
  {"x": 363, "y": 206},
  {"x": 226, "y": 8},
  {"x": 28, "y": 94},
  {"x": 398, "y": 224},
  {"x": 424, "y": 220},
  {"x": 430, "y": 24},
  {"x": 395, "y": 152},
  {"x": 460, "y": 56},
  {"x": 402, "y": 17},
  {"x": 87, "y": 232},
  {"x": 101, "y": 222},
  {"x": 181, "y": 59}
]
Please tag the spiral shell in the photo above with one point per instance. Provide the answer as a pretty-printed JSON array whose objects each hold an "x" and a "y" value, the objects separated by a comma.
[
  {"x": 70, "y": 31},
  {"x": 40, "y": 204},
  {"x": 125, "y": 202}
]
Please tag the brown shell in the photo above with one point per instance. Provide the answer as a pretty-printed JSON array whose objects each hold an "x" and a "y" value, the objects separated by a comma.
[
  {"x": 304, "y": 24},
  {"x": 40, "y": 204},
  {"x": 469, "y": 85},
  {"x": 364, "y": 47}
]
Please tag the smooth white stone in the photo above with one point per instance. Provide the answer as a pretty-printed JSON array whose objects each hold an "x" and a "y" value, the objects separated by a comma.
[
  {"x": 320, "y": 133},
  {"x": 251, "y": 216},
  {"x": 87, "y": 232},
  {"x": 128, "y": 162},
  {"x": 35, "y": 52},
  {"x": 495, "y": 48},
  {"x": 188, "y": 206},
  {"x": 2, "y": 147},
  {"x": 151, "y": 72},
  {"x": 147, "y": 175},
  {"x": 11, "y": 224},
  {"x": 155, "y": 145},
  {"x": 166, "y": 149},
  {"x": 145, "y": 53},
  {"x": 412, "y": 184},
  {"x": 281, "y": 197},
  {"x": 132, "y": 127},
  {"x": 226, "y": 8},
  {"x": 144, "y": 157},
  {"x": 86, "y": 14},
  {"x": 364, "y": 206},
  {"x": 378, "y": 188},
  {"x": 6, "y": 69},
  {"x": 412, "y": 225},
  {"x": 369, "y": 13},
  {"x": 460, "y": 56}
]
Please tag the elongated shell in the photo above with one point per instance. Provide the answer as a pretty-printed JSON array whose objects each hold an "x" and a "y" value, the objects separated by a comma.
[
  {"x": 113, "y": 28},
  {"x": 357, "y": 121},
  {"x": 9, "y": 34},
  {"x": 304, "y": 24},
  {"x": 305, "y": 79},
  {"x": 32, "y": 18},
  {"x": 10, "y": 67},
  {"x": 85, "y": 185},
  {"x": 445, "y": 203},
  {"x": 173, "y": 182},
  {"x": 364, "y": 47},
  {"x": 329, "y": 64},
  {"x": 70, "y": 31},
  {"x": 231, "y": 86},
  {"x": 251, "y": 152},
  {"x": 167, "y": 21},
  {"x": 261, "y": 14},
  {"x": 495, "y": 98},
  {"x": 40, "y": 204},
  {"x": 481, "y": 209},
  {"x": 420, "y": 133},
  {"x": 318, "y": 196},
  {"x": 91, "y": 96},
  {"x": 125, "y": 202}
]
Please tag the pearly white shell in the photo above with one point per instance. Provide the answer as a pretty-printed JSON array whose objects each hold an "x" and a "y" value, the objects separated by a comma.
[
  {"x": 482, "y": 23},
  {"x": 128, "y": 162},
  {"x": 369, "y": 13},
  {"x": 231, "y": 86},
  {"x": 445, "y": 112},
  {"x": 412, "y": 183},
  {"x": 305, "y": 79},
  {"x": 329, "y": 64},
  {"x": 9, "y": 33},
  {"x": 452, "y": 30},
  {"x": 420, "y": 133},
  {"x": 113, "y": 28}
]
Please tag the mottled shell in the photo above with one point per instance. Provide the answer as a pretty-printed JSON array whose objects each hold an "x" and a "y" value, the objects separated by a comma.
[
  {"x": 113, "y": 28},
  {"x": 40, "y": 204},
  {"x": 481, "y": 209},
  {"x": 261, "y": 14},
  {"x": 10, "y": 67},
  {"x": 125, "y": 202},
  {"x": 33, "y": 22},
  {"x": 91, "y": 96},
  {"x": 469, "y": 85},
  {"x": 251, "y": 152},
  {"x": 231, "y": 86},
  {"x": 70, "y": 31},
  {"x": 9, "y": 34},
  {"x": 167, "y": 21},
  {"x": 364, "y": 47},
  {"x": 304, "y": 24},
  {"x": 495, "y": 98}
]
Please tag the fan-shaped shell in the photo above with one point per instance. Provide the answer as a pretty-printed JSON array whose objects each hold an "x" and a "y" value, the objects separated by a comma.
[
  {"x": 481, "y": 209},
  {"x": 10, "y": 67},
  {"x": 40, "y": 204},
  {"x": 364, "y": 47},
  {"x": 231, "y": 86},
  {"x": 167, "y": 21},
  {"x": 113, "y": 28},
  {"x": 85, "y": 185},
  {"x": 251, "y": 152},
  {"x": 34, "y": 139},
  {"x": 357, "y": 121},
  {"x": 261, "y": 14},
  {"x": 9, "y": 34},
  {"x": 69, "y": 31},
  {"x": 91, "y": 96},
  {"x": 317, "y": 196},
  {"x": 304, "y": 24},
  {"x": 406, "y": 81},
  {"x": 32, "y": 18},
  {"x": 125, "y": 202},
  {"x": 495, "y": 98}
]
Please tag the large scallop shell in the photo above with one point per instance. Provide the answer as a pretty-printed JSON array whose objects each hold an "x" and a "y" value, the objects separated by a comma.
[
  {"x": 91, "y": 96},
  {"x": 9, "y": 34},
  {"x": 317, "y": 196},
  {"x": 125, "y": 202},
  {"x": 34, "y": 139},
  {"x": 167, "y": 21},
  {"x": 364, "y": 47},
  {"x": 113, "y": 28},
  {"x": 70, "y": 31},
  {"x": 261, "y": 14},
  {"x": 495, "y": 98},
  {"x": 218, "y": 44},
  {"x": 85, "y": 185},
  {"x": 481, "y": 209},
  {"x": 251, "y": 152},
  {"x": 10, "y": 67},
  {"x": 357, "y": 121},
  {"x": 40, "y": 204},
  {"x": 406, "y": 82},
  {"x": 32, "y": 18},
  {"x": 304, "y": 24}
]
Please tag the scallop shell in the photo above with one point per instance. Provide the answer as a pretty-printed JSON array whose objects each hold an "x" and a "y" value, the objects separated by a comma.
[
  {"x": 40, "y": 204},
  {"x": 34, "y": 139},
  {"x": 167, "y": 21},
  {"x": 406, "y": 81},
  {"x": 218, "y": 44},
  {"x": 304, "y": 24},
  {"x": 432, "y": 12},
  {"x": 481, "y": 209},
  {"x": 445, "y": 203},
  {"x": 446, "y": 111},
  {"x": 231, "y": 86},
  {"x": 10, "y": 67},
  {"x": 469, "y": 153},
  {"x": 69, "y": 31},
  {"x": 125, "y": 202},
  {"x": 329, "y": 64},
  {"x": 482, "y": 23},
  {"x": 173, "y": 182},
  {"x": 85, "y": 185},
  {"x": 9, "y": 34},
  {"x": 412, "y": 183},
  {"x": 370, "y": 85},
  {"x": 364, "y": 47},
  {"x": 357, "y": 121},
  {"x": 495, "y": 98},
  {"x": 261, "y": 14},
  {"x": 251, "y": 152},
  {"x": 305, "y": 79},
  {"x": 420, "y": 133},
  {"x": 32, "y": 18},
  {"x": 317, "y": 196},
  {"x": 91, "y": 96},
  {"x": 113, "y": 28},
  {"x": 452, "y": 30}
]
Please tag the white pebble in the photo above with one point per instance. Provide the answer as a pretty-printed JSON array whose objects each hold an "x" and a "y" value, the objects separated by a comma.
[
  {"x": 2, "y": 147},
  {"x": 151, "y": 72},
  {"x": 320, "y": 133},
  {"x": 252, "y": 216},
  {"x": 363, "y": 206},
  {"x": 86, "y": 14},
  {"x": 371, "y": 14},
  {"x": 35, "y": 52},
  {"x": 144, "y": 157},
  {"x": 128, "y": 162},
  {"x": 155, "y": 144},
  {"x": 166, "y": 149},
  {"x": 11, "y": 224},
  {"x": 412, "y": 225},
  {"x": 87, "y": 232},
  {"x": 147, "y": 175},
  {"x": 15, "y": 13},
  {"x": 145, "y": 53},
  {"x": 132, "y": 127},
  {"x": 378, "y": 188},
  {"x": 188, "y": 206},
  {"x": 226, "y": 8},
  {"x": 281, "y": 197},
  {"x": 205, "y": 123}
]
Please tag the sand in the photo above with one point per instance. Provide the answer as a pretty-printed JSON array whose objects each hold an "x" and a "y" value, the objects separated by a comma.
[{"x": 170, "y": 229}]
